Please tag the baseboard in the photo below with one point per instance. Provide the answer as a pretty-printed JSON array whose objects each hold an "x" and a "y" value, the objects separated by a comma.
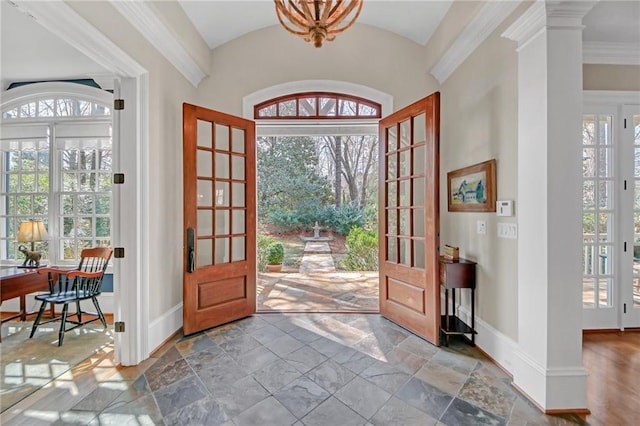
[
  {"x": 164, "y": 327},
  {"x": 499, "y": 347}
]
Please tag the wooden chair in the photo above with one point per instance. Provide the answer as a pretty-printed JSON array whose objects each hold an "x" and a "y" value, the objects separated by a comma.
[{"x": 72, "y": 286}]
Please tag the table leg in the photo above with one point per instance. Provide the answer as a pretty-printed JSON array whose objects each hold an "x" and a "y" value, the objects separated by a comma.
[{"x": 23, "y": 307}]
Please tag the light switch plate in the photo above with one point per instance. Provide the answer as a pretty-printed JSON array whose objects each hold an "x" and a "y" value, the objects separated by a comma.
[
  {"x": 482, "y": 227},
  {"x": 508, "y": 230}
]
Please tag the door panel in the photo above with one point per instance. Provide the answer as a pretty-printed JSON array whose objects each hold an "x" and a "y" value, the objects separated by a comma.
[
  {"x": 219, "y": 281},
  {"x": 409, "y": 219}
]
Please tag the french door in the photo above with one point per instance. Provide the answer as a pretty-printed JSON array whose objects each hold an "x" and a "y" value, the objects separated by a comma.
[
  {"x": 409, "y": 217},
  {"x": 219, "y": 279},
  {"x": 611, "y": 217}
]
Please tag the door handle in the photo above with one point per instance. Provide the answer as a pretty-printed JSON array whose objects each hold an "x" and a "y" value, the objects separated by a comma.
[{"x": 191, "y": 250}]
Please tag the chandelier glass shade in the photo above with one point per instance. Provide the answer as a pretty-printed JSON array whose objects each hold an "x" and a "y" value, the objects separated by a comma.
[{"x": 317, "y": 20}]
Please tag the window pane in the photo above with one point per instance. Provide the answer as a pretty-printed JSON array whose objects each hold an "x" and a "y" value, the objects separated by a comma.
[{"x": 307, "y": 107}]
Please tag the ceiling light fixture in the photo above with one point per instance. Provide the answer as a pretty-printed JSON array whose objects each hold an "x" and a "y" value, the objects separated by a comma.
[{"x": 317, "y": 20}]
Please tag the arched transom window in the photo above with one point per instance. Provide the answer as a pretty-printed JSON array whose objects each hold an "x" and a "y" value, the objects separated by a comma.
[{"x": 317, "y": 105}]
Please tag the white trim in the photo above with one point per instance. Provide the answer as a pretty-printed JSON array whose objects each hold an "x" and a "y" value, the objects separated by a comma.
[
  {"x": 165, "y": 326},
  {"x": 22, "y": 94},
  {"x": 610, "y": 53},
  {"x": 610, "y": 97},
  {"x": 66, "y": 23},
  {"x": 145, "y": 20},
  {"x": 528, "y": 25},
  {"x": 252, "y": 99},
  {"x": 475, "y": 33},
  {"x": 498, "y": 346}
]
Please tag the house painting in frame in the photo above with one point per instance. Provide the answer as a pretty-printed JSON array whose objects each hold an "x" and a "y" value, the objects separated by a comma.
[{"x": 472, "y": 188}]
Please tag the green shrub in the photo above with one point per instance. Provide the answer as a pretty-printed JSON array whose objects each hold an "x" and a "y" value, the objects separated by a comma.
[
  {"x": 263, "y": 244},
  {"x": 362, "y": 250},
  {"x": 346, "y": 217},
  {"x": 275, "y": 253}
]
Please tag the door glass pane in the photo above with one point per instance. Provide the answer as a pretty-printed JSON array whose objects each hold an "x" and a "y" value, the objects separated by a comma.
[
  {"x": 222, "y": 222},
  {"x": 237, "y": 140},
  {"x": 222, "y": 166},
  {"x": 205, "y": 164},
  {"x": 405, "y": 163},
  {"x": 405, "y": 133},
  {"x": 604, "y": 292},
  {"x": 605, "y": 162},
  {"x": 605, "y": 260},
  {"x": 204, "y": 193},
  {"x": 391, "y": 250},
  {"x": 392, "y": 194},
  {"x": 238, "y": 249},
  {"x": 418, "y": 223},
  {"x": 204, "y": 134},
  {"x": 222, "y": 250},
  {"x": 392, "y": 139},
  {"x": 392, "y": 222},
  {"x": 418, "y": 192},
  {"x": 605, "y": 225},
  {"x": 419, "y": 128},
  {"x": 588, "y": 195},
  {"x": 588, "y": 129},
  {"x": 405, "y": 224},
  {"x": 205, "y": 252},
  {"x": 238, "y": 226},
  {"x": 605, "y": 195},
  {"x": 405, "y": 251},
  {"x": 605, "y": 130},
  {"x": 238, "y": 195},
  {"x": 418, "y": 254},
  {"x": 419, "y": 159},
  {"x": 205, "y": 223},
  {"x": 222, "y": 137},
  {"x": 222, "y": 194},
  {"x": 588, "y": 292},
  {"x": 392, "y": 166},
  {"x": 588, "y": 162},
  {"x": 404, "y": 193},
  {"x": 237, "y": 167}
]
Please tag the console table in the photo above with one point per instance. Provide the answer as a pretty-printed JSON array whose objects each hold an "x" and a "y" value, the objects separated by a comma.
[{"x": 457, "y": 275}]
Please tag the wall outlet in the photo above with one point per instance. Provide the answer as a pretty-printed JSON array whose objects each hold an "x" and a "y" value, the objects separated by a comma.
[
  {"x": 482, "y": 227},
  {"x": 508, "y": 230}
]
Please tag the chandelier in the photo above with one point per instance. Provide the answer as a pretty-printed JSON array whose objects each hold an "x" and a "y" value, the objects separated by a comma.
[{"x": 317, "y": 20}]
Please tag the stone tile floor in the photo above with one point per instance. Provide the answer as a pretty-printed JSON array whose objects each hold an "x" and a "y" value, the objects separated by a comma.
[
  {"x": 318, "y": 292},
  {"x": 277, "y": 369}
]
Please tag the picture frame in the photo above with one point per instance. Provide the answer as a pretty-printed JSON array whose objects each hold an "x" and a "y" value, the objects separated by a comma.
[{"x": 472, "y": 188}]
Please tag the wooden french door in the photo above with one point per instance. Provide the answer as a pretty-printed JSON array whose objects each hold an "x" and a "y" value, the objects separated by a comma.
[
  {"x": 219, "y": 281},
  {"x": 409, "y": 218}
]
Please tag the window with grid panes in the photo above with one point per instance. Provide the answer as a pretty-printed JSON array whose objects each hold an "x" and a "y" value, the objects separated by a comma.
[{"x": 55, "y": 165}]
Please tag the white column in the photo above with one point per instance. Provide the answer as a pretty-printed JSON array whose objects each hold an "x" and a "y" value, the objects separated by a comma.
[{"x": 548, "y": 365}]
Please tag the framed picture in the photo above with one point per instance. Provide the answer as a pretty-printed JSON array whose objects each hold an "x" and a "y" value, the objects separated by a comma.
[{"x": 473, "y": 188}]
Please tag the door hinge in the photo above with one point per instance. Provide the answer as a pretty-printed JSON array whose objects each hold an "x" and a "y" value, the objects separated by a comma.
[
  {"x": 625, "y": 184},
  {"x": 118, "y": 104},
  {"x": 118, "y": 178},
  {"x": 625, "y": 246},
  {"x": 624, "y": 307},
  {"x": 625, "y": 123},
  {"x": 118, "y": 252},
  {"x": 118, "y": 326}
]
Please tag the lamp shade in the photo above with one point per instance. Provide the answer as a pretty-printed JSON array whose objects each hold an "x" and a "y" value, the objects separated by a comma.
[{"x": 32, "y": 231}]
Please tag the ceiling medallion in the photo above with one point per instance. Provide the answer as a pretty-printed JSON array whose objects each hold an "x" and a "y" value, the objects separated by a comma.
[{"x": 317, "y": 20}]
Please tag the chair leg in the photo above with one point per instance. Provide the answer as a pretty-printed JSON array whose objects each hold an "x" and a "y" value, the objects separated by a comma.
[
  {"x": 37, "y": 321},
  {"x": 99, "y": 311},
  {"x": 78, "y": 311},
  {"x": 63, "y": 323}
]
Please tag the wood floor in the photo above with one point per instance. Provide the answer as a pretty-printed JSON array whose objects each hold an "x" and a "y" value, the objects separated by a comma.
[{"x": 612, "y": 360}]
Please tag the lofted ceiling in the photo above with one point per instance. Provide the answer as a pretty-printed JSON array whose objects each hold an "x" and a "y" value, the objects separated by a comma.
[
  {"x": 29, "y": 52},
  {"x": 219, "y": 21}
]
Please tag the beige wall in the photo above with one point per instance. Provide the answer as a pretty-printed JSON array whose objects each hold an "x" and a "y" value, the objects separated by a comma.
[
  {"x": 364, "y": 55},
  {"x": 168, "y": 90},
  {"x": 479, "y": 122},
  {"x": 610, "y": 77}
]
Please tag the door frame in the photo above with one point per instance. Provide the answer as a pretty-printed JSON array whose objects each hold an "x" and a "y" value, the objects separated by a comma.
[{"x": 615, "y": 103}]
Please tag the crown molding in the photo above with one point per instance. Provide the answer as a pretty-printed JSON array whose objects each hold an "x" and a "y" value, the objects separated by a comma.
[
  {"x": 477, "y": 30},
  {"x": 64, "y": 22},
  {"x": 528, "y": 25},
  {"x": 145, "y": 20},
  {"x": 594, "y": 52}
]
